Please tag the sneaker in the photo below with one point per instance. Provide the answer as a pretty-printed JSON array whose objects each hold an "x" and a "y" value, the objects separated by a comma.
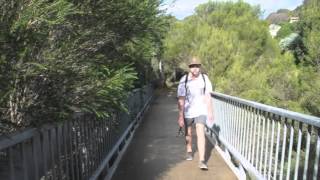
[
  {"x": 203, "y": 165},
  {"x": 189, "y": 156}
]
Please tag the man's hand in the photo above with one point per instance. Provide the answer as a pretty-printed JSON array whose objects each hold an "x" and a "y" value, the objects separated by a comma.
[
  {"x": 209, "y": 122},
  {"x": 181, "y": 121},
  {"x": 210, "y": 118}
]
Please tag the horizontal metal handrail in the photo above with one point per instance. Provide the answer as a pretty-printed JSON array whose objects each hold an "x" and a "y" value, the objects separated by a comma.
[
  {"x": 20, "y": 136},
  {"x": 312, "y": 120},
  {"x": 7, "y": 141}
]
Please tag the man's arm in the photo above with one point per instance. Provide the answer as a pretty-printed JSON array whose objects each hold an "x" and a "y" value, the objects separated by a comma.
[
  {"x": 209, "y": 106},
  {"x": 208, "y": 100},
  {"x": 181, "y": 100}
]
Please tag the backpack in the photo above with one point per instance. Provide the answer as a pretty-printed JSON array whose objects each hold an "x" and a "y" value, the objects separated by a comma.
[{"x": 186, "y": 80}]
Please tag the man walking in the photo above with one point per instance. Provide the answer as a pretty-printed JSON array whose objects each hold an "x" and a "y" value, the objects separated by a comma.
[{"x": 194, "y": 103}]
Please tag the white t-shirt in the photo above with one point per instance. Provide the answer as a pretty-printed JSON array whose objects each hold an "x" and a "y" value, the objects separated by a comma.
[{"x": 195, "y": 104}]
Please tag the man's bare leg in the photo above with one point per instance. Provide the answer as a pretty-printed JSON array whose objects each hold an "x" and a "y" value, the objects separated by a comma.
[
  {"x": 189, "y": 139},
  {"x": 201, "y": 141}
]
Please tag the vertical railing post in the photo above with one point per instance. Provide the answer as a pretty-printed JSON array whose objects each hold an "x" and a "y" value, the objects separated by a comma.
[
  {"x": 317, "y": 156},
  {"x": 237, "y": 134},
  {"x": 290, "y": 149},
  {"x": 267, "y": 118},
  {"x": 296, "y": 169},
  {"x": 284, "y": 140},
  {"x": 255, "y": 137},
  {"x": 257, "y": 163},
  {"x": 276, "y": 159},
  {"x": 271, "y": 148},
  {"x": 306, "y": 158},
  {"x": 247, "y": 131}
]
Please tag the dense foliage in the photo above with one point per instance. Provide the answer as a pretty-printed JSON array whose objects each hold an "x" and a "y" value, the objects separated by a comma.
[
  {"x": 308, "y": 55},
  {"x": 286, "y": 29},
  {"x": 242, "y": 59},
  {"x": 62, "y": 56}
]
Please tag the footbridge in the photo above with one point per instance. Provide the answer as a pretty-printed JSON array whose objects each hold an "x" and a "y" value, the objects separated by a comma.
[{"x": 248, "y": 141}]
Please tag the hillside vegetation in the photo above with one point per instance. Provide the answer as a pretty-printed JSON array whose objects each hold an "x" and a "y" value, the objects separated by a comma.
[{"x": 243, "y": 60}]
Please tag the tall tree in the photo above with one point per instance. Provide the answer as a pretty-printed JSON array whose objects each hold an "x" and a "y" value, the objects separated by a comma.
[
  {"x": 62, "y": 56},
  {"x": 310, "y": 31},
  {"x": 309, "y": 56}
]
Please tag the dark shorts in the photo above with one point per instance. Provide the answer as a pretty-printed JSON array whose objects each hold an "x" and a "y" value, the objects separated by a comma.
[{"x": 200, "y": 119}]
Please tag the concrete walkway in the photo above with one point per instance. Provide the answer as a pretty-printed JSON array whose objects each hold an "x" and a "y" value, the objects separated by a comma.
[{"x": 156, "y": 153}]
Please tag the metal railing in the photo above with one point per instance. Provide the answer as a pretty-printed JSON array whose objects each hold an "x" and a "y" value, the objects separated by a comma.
[
  {"x": 79, "y": 149},
  {"x": 269, "y": 142}
]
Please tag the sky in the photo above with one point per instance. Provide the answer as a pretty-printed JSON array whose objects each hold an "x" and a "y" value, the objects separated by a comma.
[{"x": 182, "y": 8}]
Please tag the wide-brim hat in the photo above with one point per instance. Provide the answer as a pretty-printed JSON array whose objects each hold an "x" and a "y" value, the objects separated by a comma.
[{"x": 194, "y": 61}]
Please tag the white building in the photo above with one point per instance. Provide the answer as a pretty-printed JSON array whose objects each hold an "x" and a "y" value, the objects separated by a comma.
[
  {"x": 294, "y": 19},
  {"x": 273, "y": 29}
]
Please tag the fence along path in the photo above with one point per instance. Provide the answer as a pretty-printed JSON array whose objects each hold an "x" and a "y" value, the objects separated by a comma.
[
  {"x": 79, "y": 149},
  {"x": 156, "y": 153}
]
